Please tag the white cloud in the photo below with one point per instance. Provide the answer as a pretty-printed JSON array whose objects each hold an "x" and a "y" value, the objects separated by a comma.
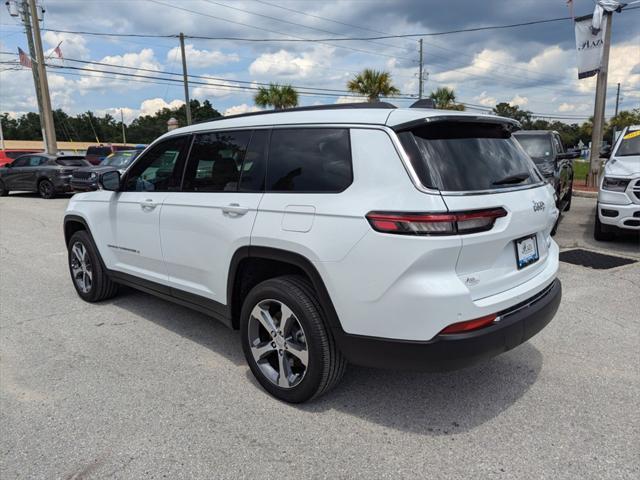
[
  {"x": 349, "y": 99},
  {"x": 201, "y": 58},
  {"x": 286, "y": 64},
  {"x": 566, "y": 107},
  {"x": 215, "y": 88},
  {"x": 486, "y": 100},
  {"x": 72, "y": 46},
  {"x": 518, "y": 101},
  {"x": 238, "y": 109},
  {"x": 153, "y": 105},
  {"x": 624, "y": 63},
  {"x": 129, "y": 114}
]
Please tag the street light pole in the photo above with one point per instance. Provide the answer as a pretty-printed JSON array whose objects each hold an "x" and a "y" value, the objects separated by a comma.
[
  {"x": 598, "y": 114},
  {"x": 47, "y": 115},
  {"x": 185, "y": 79},
  {"x": 420, "y": 73}
]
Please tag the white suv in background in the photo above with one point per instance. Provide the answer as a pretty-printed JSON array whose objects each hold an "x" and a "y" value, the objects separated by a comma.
[
  {"x": 397, "y": 238},
  {"x": 619, "y": 194}
]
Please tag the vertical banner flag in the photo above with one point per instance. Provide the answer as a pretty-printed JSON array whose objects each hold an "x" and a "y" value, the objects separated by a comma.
[{"x": 590, "y": 45}]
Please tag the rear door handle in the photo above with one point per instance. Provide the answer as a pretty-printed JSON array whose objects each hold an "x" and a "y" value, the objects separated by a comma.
[
  {"x": 148, "y": 204},
  {"x": 234, "y": 209}
]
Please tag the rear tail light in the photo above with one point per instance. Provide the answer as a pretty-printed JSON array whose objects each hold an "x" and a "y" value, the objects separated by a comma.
[
  {"x": 449, "y": 223},
  {"x": 469, "y": 325}
]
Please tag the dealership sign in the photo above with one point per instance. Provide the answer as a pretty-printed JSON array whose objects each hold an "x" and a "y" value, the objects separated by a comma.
[{"x": 590, "y": 45}]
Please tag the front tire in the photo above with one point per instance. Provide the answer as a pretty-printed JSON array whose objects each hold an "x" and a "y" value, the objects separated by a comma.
[
  {"x": 601, "y": 232},
  {"x": 88, "y": 277},
  {"x": 289, "y": 349},
  {"x": 46, "y": 189},
  {"x": 3, "y": 189}
]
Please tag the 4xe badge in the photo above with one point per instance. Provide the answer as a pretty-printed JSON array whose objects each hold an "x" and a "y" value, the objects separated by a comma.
[{"x": 538, "y": 206}]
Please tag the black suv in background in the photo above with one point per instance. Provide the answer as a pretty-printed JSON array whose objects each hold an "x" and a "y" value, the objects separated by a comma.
[
  {"x": 86, "y": 178},
  {"x": 41, "y": 172},
  {"x": 553, "y": 161}
]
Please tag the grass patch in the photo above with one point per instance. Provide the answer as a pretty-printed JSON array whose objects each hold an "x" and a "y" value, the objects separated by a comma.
[{"x": 580, "y": 170}]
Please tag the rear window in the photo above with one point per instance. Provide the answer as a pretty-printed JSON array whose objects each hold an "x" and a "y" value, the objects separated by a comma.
[
  {"x": 309, "y": 160},
  {"x": 537, "y": 147},
  {"x": 463, "y": 156},
  {"x": 121, "y": 159},
  {"x": 72, "y": 162},
  {"x": 99, "y": 151}
]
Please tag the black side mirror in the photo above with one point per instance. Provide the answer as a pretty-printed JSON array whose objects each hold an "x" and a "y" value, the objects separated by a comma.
[
  {"x": 110, "y": 181},
  {"x": 605, "y": 152}
]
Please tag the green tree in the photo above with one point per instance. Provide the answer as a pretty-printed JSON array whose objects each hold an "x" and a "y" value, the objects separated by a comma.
[
  {"x": 624, "y": 118},
  {"x": 445, "y": 99},
  {"x": 503, "y": 109},
  {"x": 373, "y": 84},
  {"x": 277, "y": 96}
]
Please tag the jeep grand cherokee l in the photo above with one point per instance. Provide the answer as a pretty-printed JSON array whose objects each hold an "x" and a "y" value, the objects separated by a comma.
[{"x": 397, "y": 238}]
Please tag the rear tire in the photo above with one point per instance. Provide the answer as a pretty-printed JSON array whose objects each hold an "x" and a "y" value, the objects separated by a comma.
[
  {"x": 3, "y": 189},
  {"x": 602, "y": 232},
  {"x": 46, "y": 189},
  {"x": 290, "y": 308},
  {"x": 87, "y": 274}
]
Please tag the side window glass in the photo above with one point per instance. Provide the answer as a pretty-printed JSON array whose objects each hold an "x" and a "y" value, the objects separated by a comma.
[
  {"x": 215, "y": 161},
  {"x": 35, "y": 161},
  {"x": 21, "y": 162},
  {"x": 255, "y": 163},
  {"x": 160, "y": 169},
  {"x": 309, "y": 160},
  {"x": 558, "y": 143}
]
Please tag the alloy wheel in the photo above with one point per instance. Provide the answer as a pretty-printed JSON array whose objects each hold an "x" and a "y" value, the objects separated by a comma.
[
  {"x": 278, "y": 343},
  {"x": 81, "y": 269},
  {"x": 46, "y": 189}
]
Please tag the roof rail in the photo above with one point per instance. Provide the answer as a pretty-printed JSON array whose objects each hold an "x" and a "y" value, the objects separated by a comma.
[{"x": 333, "y": 106}]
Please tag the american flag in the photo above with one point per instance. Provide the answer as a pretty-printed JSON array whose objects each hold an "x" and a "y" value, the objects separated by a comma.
[
  {"x": 25, "y": 61},
  {"x": 58, "y": 51}
]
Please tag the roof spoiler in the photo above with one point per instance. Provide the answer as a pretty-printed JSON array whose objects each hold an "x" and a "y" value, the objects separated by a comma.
[
  {"x": 424, "y": 103},
  {"x": 508, "y": 123}
]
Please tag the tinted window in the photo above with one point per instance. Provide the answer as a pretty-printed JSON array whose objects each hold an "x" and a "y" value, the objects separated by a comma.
[
  {"x": 215, "y": 161},
  {"x": 159, "y": 169},
  {"x": 309, "y": 160},
  {"x": 21, "y": 162},
  {"x": 99, "y": 151},
  {"x": 72, "y": 162},
  {"x": 11, "y": 154},
  {"x": 460, "y": 156},
  {"x": 558, "y": 143},
  {"x": 36, "y": 161},
  {"x": 255, "y": 162},
  {"x": 537, "y": 147}
]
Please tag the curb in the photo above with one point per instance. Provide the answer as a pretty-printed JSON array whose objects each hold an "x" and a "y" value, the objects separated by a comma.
[{"x": 584, "y": 193}]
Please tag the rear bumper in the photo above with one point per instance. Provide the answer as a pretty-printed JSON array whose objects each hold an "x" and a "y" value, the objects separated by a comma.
[
  {"x": 449, "y": 352},
  {"x": 62, "y": 184}
]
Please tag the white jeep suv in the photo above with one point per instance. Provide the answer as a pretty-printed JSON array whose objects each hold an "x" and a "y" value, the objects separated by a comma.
[
  {"x": 399, "y": 238},
  {"x": 619, "y": 194}
]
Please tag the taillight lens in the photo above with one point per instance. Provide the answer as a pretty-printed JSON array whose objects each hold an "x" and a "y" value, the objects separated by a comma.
[
  {"x": 450, "y": 223},
  {"x": 469, "y": 325}
]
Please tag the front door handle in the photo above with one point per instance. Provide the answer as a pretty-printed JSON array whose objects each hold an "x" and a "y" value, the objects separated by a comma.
[
  {"x": 234, "y": 209},
  {"x": 148, "y": 204}
]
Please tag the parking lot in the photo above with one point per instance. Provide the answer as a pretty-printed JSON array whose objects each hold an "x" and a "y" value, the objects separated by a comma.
[{"x": 137, "y": 387}]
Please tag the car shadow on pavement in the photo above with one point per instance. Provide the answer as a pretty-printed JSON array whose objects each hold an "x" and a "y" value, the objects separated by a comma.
[{"x": 424, "y": 403}]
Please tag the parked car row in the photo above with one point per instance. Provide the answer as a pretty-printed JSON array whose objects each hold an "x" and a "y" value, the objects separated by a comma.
[{"x": 50, "y": 175}]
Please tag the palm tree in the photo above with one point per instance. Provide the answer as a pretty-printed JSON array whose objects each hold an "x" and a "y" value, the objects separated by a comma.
[
  {"x": 445, "y": 99},
  {"x": 278, "y": 96},
  {"x": 373, "y": 84}
]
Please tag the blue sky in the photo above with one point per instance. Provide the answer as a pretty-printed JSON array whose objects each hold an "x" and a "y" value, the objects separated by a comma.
[{"x": 533, "y": 66}]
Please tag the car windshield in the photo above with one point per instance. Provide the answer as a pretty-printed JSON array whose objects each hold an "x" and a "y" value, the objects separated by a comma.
[
  {"x": 537, "y": 147},
  {"x": 120, "y": 159},
  {"x": 465, "y": 156},
  {"x": 630, "y": 145}
]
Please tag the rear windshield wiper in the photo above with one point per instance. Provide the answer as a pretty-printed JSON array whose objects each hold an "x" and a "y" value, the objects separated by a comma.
[{"x": 516, "y": 178}]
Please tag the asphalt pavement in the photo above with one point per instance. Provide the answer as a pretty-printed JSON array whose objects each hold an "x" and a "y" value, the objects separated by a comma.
[{"x": 137, "y": 387}]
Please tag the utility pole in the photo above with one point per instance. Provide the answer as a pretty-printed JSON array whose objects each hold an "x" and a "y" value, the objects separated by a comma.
[
  {"x": 185, "y": 79},
  {"x": 617, "y": 100},
  {"x": 26, "y": 20},
  {"x": 420, "y": 73},
  {"x": 598, "y": 113},
  {"x": 124, "y": 136},
  {"x": 46, "y": 118}
]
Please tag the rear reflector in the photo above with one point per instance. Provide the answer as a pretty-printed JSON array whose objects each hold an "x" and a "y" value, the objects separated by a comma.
[
  {"x": 469, "y": 325},
  {"x": 449, "y": 223}
]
